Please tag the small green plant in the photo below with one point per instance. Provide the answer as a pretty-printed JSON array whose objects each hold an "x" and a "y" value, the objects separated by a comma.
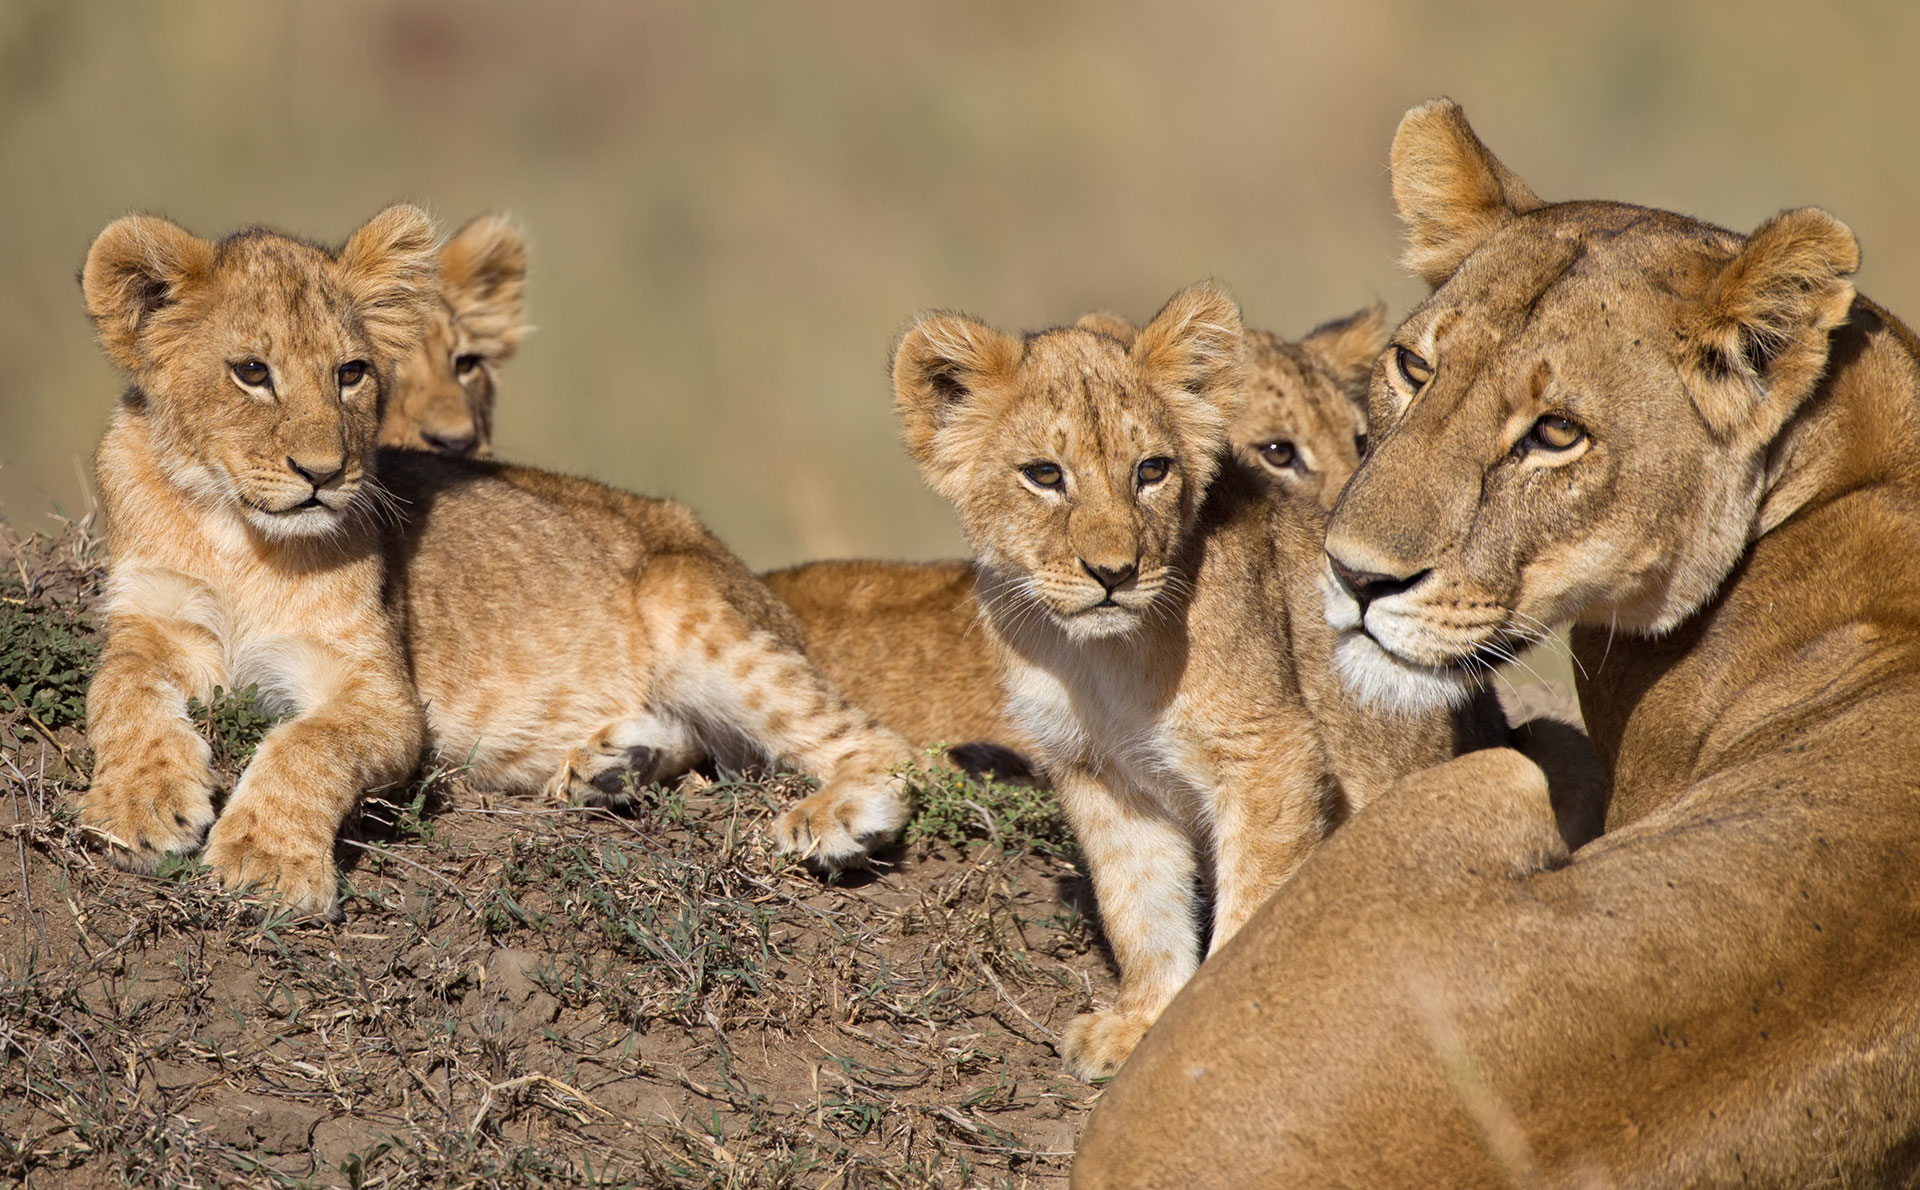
[
  {"x": 955, "y": 807},
  {"x": 234, "y": 724},
  {"x": 47, "y": 655}
]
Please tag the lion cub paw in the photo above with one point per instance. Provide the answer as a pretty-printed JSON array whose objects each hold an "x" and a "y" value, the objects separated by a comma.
[
  {"x": 145, "y": 816},
  {"x": 252, "y": 848},
  {"x": 1097, "y": 1043},
  {"x": 838, "y": 828}
]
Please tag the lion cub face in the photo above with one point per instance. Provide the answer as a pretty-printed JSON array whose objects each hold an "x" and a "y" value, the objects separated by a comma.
[
  {"x": 1576, "y": 425},
  {"x": 259, "y": 361},
  {"x": 1077, "y": 462},
  {"x": 444, "y": 391},
  {"x": 1304, "y": 425}
]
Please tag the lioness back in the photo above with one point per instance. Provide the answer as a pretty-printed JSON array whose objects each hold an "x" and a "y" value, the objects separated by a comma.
[{"x": 1156, "y": 616}]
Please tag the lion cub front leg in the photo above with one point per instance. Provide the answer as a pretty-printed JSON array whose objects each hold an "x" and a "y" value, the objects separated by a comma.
[
  {"x": 362, "y": 727},
  {"x": 1143, "y": 870},
  {"x": 152, "y": 790},
  {"x": 1267, "y": 817}
]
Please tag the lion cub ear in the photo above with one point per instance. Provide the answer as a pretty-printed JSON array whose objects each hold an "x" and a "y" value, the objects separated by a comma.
[
  {"x": 139, "y": 264},
  {"x": 1451, "y": 191},
  {"x": 388, "y": 268},
  {"x": 1113, "y": 326},
  {"x": 483, "y": 277},
  {"x": 1197, "y": 343},
  {"x": 943, "y": 365},
  {"x": 1348, "y": 346},
  {"x": 1758, "y": 336}
]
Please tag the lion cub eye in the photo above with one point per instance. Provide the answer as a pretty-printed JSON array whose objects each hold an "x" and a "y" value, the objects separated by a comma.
[
  {"x": 1554, "y": 432},
  {"x": 352, "y": 372},
  {"x": 1278, "y": 455},
  {"x": 463, "y": 364},
  {"x": 1414, "y": 370},
  {"x": 1044, "y": 475},
  {"x": 1152, "y": 471},
  {"x": 1360, "y": 445},
  {"x": 251, "y": 372}
]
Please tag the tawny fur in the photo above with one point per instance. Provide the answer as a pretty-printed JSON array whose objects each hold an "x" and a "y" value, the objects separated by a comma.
[
  {"x": 904, "y": 639},
  {"x": 444, "y": 389},
  {"x": 561, "y": 634},
  {"x": 1722, "y": 990},
  {"x": 1158, "y": 633}
]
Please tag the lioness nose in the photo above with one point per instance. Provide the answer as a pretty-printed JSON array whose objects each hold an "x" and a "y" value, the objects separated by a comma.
[
  {"x": 1366, "y": 586},
  {"x": 1110, "y": 576},
  {"x": 452, "y": 443},
  {"x": 318, "y": 472}
]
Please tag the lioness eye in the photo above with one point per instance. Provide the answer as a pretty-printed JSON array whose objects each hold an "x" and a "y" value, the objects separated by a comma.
[
  {"x": 1556, "y": 433},
  {"x": 352, "y": 372},
  {"x": 1413, "y": 369},
  {"x": 251, "y": 372},
  {"x": 1277, "y": 454},
  {"x": 1152, "y": 471},
  {"x": 1043, "y": 475},
  {"x": 462, "y": 364}
]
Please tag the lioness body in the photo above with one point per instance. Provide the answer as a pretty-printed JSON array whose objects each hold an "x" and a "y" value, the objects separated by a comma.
[
  {"x": 1704, "y": 451},
  {"x": 563, "y": 634},
  {"x": 1157, "y": 623}
]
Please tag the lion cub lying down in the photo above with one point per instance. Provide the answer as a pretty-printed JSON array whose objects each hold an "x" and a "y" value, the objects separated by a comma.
[
  {"x": 1156, "y": 616},
  {"x": 547, "y": 631}
]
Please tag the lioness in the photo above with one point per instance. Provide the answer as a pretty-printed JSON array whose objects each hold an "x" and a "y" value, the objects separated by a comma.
[
  {"x": 1157, "y": 622},
  {"x": 559, "y": 632},
  {"x": 1703, "y": 450},
  {"x": 904, "y": 639},
  {"x": 443, "y": 392}
]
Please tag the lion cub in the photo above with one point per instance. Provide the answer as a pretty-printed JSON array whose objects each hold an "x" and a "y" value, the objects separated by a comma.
[
  {"x": 905, "y": 640},
  {"x": 444, "y": 389},
  {"x": 547, "y": 631},
  {"x": 1156, "y": 616}
]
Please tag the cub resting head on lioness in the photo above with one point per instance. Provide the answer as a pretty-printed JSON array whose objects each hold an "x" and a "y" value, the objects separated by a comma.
[
  {"x": 257, "y": 538},
  {"x": 1702, "y": 449},
  {"x": 1157, "y": 624}
]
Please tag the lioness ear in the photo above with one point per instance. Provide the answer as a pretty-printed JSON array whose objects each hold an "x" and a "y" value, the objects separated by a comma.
[
  {"x": 941, "y": 365},
  {"x": 1452, "y": 193},
  {"x": 1103, "y": 322},
  {"x": 1348, "y": 346},
  {"x": 136, "y": 266},
  {"x": 388, "y": 267},
  {"x": 1197, "y": 343},
  {"x": 483, "y": 276},
  {"x": 1759, "y": 333}
]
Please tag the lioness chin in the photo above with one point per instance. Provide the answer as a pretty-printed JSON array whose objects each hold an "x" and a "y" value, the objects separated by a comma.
[
  {"x": 560, "y": 634},
  {"x": 1702, "y": 448}
]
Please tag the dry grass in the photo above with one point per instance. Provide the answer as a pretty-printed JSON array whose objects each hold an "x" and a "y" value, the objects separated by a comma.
[{"x": 529, "y": 995}]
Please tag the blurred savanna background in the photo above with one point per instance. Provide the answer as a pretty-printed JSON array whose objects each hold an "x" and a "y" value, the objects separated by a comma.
[{"x": 734, "y": 207}]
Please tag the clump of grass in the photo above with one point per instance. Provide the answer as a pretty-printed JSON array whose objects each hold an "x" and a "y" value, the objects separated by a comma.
[
  {"x": 234, "y": 723},
  {"x": 683, "y": 933},
  {"x": 957, "y": 808},
  {"x": 47, "y": 655}
]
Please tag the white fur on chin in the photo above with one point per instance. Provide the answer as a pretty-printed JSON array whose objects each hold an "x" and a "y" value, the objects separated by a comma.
[{"x": 1385, "y": 682}]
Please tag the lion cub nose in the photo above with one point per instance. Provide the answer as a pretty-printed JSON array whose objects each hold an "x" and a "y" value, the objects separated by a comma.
[
  {"x": 452, "y": 443},
  {"x": 1110, "y": 576},
  {"x": 1366, "y": 585},
  {"x": 318, "y": 472}
]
